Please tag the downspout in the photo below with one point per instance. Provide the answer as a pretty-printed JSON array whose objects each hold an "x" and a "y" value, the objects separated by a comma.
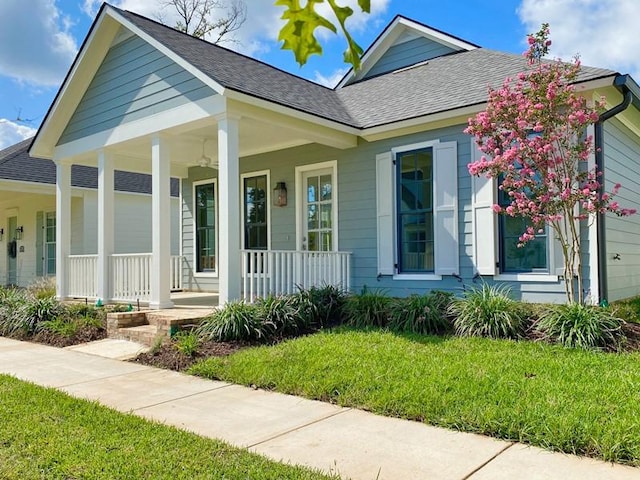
[{"x": 620, "y": 83}]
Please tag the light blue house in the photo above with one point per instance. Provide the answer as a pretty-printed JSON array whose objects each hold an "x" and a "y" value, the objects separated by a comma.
[{"x": 286, "y": 182}]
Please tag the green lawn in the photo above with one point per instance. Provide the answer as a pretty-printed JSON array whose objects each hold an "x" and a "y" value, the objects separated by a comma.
[
  {"x": 45, "y": 434},
  {"x": 570, "y": 400}
]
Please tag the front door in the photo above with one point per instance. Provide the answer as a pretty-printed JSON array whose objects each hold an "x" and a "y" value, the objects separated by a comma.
[
  {"x": 12, "y": 251},
  {"x": 318, "y": 209}
]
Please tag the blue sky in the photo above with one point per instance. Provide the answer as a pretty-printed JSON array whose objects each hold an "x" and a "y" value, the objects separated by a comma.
[{"x": 38, "y": 46}]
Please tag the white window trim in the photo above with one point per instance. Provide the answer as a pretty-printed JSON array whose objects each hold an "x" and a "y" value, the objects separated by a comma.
[
  {"x": 394, "y": 151},
  {"x": 197, "y": 274},
  {"x": 45, "y": 269},
  {"x": 244, "y": 176},
  {"x": 417, "y": 276},
  {"x": 527, "y": 277},
  {"x": 300, "y": 192}
]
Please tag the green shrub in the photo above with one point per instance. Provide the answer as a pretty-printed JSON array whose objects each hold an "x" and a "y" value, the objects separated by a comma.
[
  {"x": 11, "y": 301},
  {"x": 627, "y": 310},
  {"x": 287, "y": 313},
  {"x": 421, "y": 314},
  {"x": 367, "y": 309},
  {"x": 44, "y": 287},
  {"x": 488, "y": 311},
  {"x": 235, "y": 321},
  {"x": 62, "y": 326},
  {"x": 581, "y": 326},
  {"x": 187, "y": 343}
]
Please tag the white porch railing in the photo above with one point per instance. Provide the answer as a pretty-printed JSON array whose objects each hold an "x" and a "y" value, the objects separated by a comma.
[
  {"x": 83, "y": 276},
  {"x": 130, "y": 276},
  {"x": 280, "y": 272}
]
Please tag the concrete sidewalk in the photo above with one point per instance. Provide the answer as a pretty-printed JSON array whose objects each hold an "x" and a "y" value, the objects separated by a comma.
[{"x": 353, "y": 443}]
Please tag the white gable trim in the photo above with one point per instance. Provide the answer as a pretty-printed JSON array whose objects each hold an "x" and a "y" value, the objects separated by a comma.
[
  {"x": 395, "y": 31},
  {"x": 207, "y": 80}
]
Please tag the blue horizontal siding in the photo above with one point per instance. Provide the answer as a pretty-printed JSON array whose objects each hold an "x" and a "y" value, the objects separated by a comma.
[
  {"x": 134, "y": 81},
  {"x": 357, "y": 212},
  {"x": 408, "y": 53},
  {"x": 622, "y": 162}
]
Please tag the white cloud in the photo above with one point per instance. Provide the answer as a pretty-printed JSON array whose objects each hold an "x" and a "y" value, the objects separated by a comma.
[
  {"x": 35, "y": 44},
  {"x": 260, "y": 31},
  {"x": 332, "y": 79},
  {"x": 11, "y": 133},
  {"x": 603, "y": 32}
]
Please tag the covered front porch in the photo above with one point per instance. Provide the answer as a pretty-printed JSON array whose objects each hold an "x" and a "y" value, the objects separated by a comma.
[
  {"x": 217, "y": 246},
  {"x": 264, "y": 273}
]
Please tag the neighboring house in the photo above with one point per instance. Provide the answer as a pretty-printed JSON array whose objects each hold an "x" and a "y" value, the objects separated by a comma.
[
  {"x": 286, "y": 182},
  {"x": 28, "y": 214}
]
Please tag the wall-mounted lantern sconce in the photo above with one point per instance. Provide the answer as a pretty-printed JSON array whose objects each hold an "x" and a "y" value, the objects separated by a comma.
[
  {"x": 19, "y": 232},
  {"x": 1, "y": 234},
  {"x": 280, "y": 195}
]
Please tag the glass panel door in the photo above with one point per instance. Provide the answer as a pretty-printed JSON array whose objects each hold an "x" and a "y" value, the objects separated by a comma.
[
  {"x": 12, "y": 251},
  {"x": 318, "y": 211}
]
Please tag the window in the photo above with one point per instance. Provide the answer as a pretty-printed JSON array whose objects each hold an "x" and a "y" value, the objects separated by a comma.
[
  {"x": 50, "y": 244},
  {"x": 414, "y": 189},
  {"x": 205, "y": 226},
  {"x": 533, "y": 257},
  {"x": 256, "y": 203}
]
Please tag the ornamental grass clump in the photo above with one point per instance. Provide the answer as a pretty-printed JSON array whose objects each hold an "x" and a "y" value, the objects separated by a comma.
[
  {"x": 582, "y": 326},
  {"x": 235, "y": 321},
  {"x": 367, "y": 309},
  {"x": 488, "y": 311},
  {"x": 421, "y": 314}
]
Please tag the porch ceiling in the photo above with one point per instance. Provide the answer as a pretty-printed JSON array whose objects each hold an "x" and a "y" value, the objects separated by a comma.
[{"x": 186, "y": 141}]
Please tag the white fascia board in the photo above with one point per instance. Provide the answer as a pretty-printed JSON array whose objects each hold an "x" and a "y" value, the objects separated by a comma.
[
  {"x": 174, "y": 117},
  {"x": 456, "y": 116},
  {"x": 204, "y": 78}
]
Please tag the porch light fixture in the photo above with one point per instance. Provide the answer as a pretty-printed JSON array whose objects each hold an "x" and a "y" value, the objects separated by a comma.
[
  {"x": 19, "y": 232},
  {"x": 280, "y": 195},
  {"x": 1, "y": 234}
]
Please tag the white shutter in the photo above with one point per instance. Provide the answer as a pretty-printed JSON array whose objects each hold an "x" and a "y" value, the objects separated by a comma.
[
  {"x": 445, "y": 197},
  {"x": 384, "y": 204},
  {"x": 484, "y": 219}
]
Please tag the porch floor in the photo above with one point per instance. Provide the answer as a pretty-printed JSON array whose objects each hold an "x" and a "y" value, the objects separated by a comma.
[{"x": 193, "y": 300}]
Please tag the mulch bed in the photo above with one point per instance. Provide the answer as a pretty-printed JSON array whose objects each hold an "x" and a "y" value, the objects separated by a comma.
[
  {"x": 632, "y": 331},
  {"x": 83, "y": 335},
  {"x": 168, "y": 357}
]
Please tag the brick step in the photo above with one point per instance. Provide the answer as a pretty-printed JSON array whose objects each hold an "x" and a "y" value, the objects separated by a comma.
[{"x": 143, "y": 334}]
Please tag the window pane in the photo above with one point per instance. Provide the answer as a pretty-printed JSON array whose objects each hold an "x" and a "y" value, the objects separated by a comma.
[
  {"x": 313, "y": 242},
  {"x": 325, "y": 187},
  {"x": 205, "y": 228},
  {"x": 312, "y": 217},
  {"x": 533, "y": 256},
  {"x": 415, "y": 211},
  {"x": 312, "y": 189},
  {"x": 255, "y": 212},
  {"x": 325, "y": 216}
]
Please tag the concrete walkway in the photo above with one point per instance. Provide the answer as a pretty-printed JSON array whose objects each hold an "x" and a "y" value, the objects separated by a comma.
[{"x": 353, "y": 443}]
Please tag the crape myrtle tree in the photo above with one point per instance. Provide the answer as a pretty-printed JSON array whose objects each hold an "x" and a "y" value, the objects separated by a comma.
[{"x": 533, "y": 135}]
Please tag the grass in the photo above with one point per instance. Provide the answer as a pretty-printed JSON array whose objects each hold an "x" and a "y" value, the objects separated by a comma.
[
  {"x": 568, "y": 400},
  {"x": 47, "y": 434}
]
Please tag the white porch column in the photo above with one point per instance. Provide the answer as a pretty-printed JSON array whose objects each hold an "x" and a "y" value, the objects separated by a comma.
[
  {"x": 106, "y": 224},
  {"x": 229, "y": 262},
  {"x": 63, "y": 228},
  {"x": 161, "y": 218}
]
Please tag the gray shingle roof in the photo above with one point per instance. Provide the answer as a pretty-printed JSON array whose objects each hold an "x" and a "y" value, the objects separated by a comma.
[
  {"x": 444, "y": 83},
  {"x": 246, "y": 75},
  {"x": 16, "y": 164}
]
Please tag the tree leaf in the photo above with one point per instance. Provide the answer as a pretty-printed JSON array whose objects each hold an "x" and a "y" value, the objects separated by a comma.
[{"x": 298, "y": 33}]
